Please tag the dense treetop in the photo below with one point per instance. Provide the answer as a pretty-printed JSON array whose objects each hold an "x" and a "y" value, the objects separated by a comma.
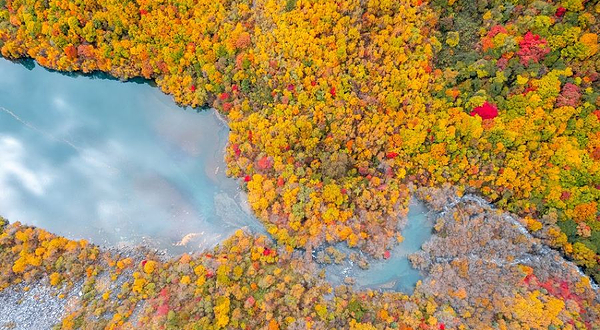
[{"x": 336, "y": 106}]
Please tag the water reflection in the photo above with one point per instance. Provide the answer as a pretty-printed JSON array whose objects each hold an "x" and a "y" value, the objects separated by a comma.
[{"x": 115, "y": 163}]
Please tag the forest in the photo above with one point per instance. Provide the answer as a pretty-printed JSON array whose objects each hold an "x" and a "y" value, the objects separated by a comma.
[{"x": 339, "y": 112}]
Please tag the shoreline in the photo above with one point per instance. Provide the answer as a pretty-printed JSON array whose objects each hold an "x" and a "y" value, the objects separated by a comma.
[{"x": 41, "y": 288}]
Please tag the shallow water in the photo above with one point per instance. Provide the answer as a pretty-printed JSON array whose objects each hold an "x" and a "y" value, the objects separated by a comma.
[
  {"x": 395, "y": 273},
  {"x": 115, "y": 163}
]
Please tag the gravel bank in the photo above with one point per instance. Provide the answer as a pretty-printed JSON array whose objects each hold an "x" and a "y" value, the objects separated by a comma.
[{"x": 39, "y": 308}]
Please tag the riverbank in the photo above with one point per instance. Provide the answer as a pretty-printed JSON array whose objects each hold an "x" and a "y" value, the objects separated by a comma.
[
  {"x": 479, "y": 268},
  {"x": 32, "y": 307}
]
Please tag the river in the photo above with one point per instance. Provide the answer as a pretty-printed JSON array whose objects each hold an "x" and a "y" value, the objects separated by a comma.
[
  {"x": 120, "y": 164},
  {"x": 395, "y": 273}
]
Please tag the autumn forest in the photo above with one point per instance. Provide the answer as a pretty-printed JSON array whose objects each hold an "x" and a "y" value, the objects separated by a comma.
[{"x": 339, "y": 113}]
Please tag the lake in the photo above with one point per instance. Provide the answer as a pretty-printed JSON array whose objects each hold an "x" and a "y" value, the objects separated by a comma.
[
  {"x": 120, "y": 164},
  {"x": 115, "y": 163}
]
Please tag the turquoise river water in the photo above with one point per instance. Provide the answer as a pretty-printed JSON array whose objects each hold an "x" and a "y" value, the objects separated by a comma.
[{"x": 120, "y": 164}]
